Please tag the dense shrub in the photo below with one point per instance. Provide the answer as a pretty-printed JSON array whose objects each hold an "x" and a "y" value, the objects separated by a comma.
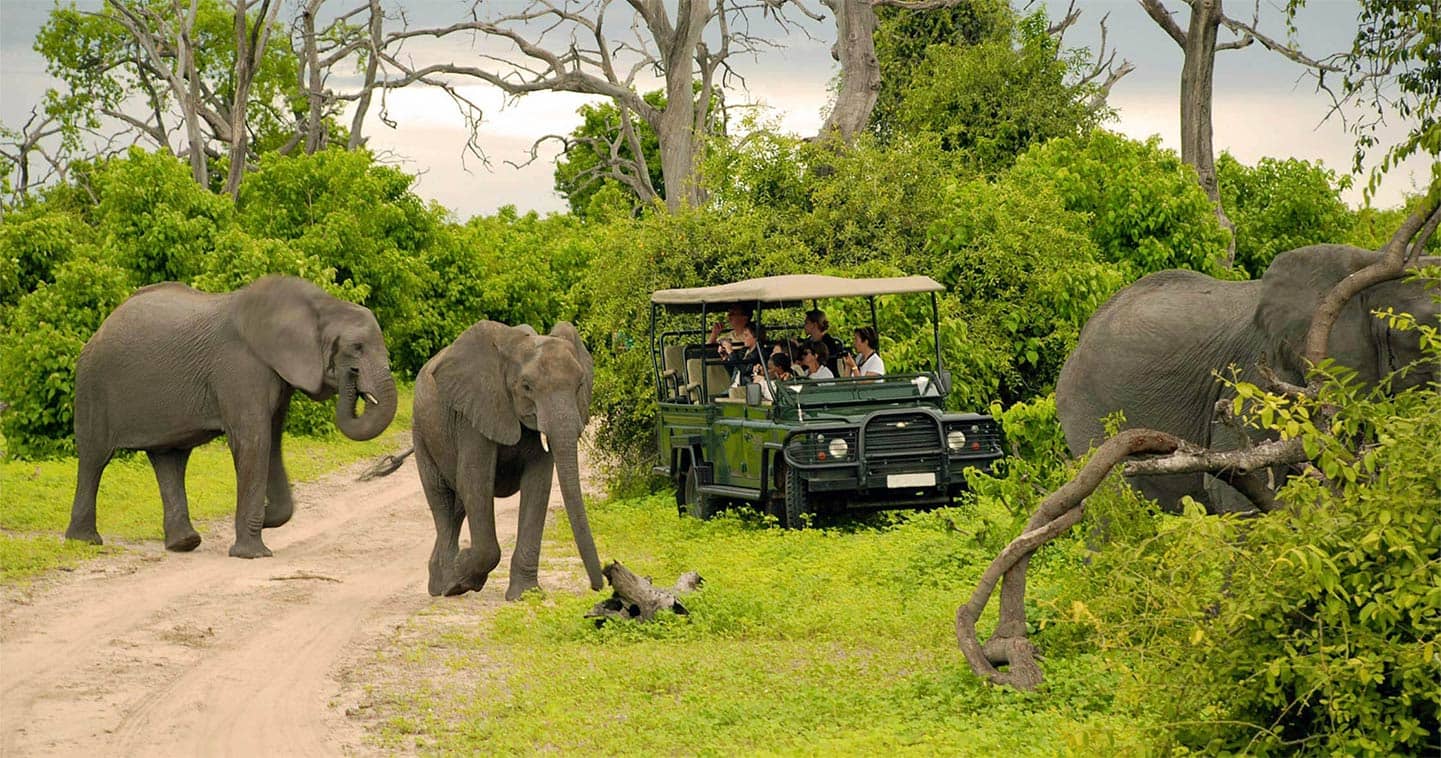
[
  {"x": 1280, "y": 205},
  {"x": 38, "y": 350},
  {"x": 1313, "y": 628},
  {"x": 154, "y": 221},
  {"x": 32, "y": 244},
  {"x": 1146, "y": 211}
]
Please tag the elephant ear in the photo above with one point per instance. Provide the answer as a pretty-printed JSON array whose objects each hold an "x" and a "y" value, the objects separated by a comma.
[
  {"x": 474, "y": 378},
  {"x": 1291, "y": 288},
  {"x": 278, "y": 319},
  {"x": 566, "y": 331}
]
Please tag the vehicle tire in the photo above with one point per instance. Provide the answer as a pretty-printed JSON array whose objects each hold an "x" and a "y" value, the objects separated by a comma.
[
  {"x": 697, "y": 503},
  {"x": 797, "y": 505}
]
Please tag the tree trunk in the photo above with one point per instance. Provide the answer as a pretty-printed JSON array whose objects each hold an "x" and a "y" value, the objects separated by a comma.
[
  {"x": 249, "y": 51},
  {"x": 372, "y": 66},
  {"x": 1197, "y": 84},
  {"x": 190, "y": 103},
  {"x": 314, "y": 130},
  {"x": 855, "y": 50},
  {"x": 675, "y": 127}
]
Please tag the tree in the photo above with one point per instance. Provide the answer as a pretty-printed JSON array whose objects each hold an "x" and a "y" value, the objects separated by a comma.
[
  {"x": 1199, "y": 43},
  {"x": 596, "y": 156}
]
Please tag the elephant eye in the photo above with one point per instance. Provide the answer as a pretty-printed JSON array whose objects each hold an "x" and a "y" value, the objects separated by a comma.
[{"x": 525, "y": 385}]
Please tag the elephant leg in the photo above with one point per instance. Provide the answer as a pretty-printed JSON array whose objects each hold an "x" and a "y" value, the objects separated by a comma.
[
  {"x": 93, "y": 460},
  {"x": 250, "y": 449},
  {"x": 448, "y": 514},
  {"x": 279, "y": 504},
  {"x": 475, "y": 472},
  {"x": 534, "y": 500},
  {"x": 169, "y": 465},
  {"x": 1168, "y": 489}
]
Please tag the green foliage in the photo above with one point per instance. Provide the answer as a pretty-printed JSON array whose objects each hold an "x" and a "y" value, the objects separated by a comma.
[
  {"x": 33, "y": 243},
  {"x": 1024, "y": 276},
  {"x": 993, "y": 99},
  {"x": 1147, "y": 213},
  {"x": 904, "y": 40},
  {"x": 157, "y": 223},
  {"x": 38, "y": 350},
  {"x": 1280, "y": 205}
]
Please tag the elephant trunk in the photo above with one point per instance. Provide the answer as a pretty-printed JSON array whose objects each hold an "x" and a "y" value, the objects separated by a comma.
[
  {"x": 567, "y": 466},
  {"x": 368, "y": 380}
]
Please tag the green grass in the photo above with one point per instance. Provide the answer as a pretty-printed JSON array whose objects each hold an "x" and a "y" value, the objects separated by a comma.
[
  {"x": 827, "y": 641},
  {"x": 35, "y": 497}
]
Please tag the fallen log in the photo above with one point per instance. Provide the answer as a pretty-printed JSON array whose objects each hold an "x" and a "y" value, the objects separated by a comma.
[{"x": 635, "y": 597}]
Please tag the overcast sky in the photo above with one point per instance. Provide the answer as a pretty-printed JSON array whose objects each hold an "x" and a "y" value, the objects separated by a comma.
[{"x": 1263, "y": 105}]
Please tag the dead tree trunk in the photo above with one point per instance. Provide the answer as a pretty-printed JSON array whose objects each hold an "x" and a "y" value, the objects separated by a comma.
[
  {"x": 249, "y": 51},
  {"x": 635, "y": 597},
  {"x": 855, "y": 50}
]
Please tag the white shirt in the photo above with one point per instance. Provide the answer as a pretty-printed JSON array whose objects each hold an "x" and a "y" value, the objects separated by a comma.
[
  {"x": 822, "y": 373},
  {"x": 871, "y": 365}
]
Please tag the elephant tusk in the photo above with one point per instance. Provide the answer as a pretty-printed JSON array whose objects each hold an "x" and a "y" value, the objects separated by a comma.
[
  {"x": 544, "y": 442},
  {"x": 369, "y": 398}
]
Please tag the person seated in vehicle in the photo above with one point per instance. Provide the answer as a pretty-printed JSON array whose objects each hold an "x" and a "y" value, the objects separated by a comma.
[
  {"x": 778, "y": 369},
  {"x": 737, "y": 316},
  {"x": 865, "y": 361},
  {"x": 743, "y": 361},
  {"x": 817, "y": 328},
  {"x": 814, "y": 359}
]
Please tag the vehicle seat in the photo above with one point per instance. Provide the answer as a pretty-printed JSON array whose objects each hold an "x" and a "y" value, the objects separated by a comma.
[
  {"x": 671, "y": 378},
  {"x": 716, "y": 375}
]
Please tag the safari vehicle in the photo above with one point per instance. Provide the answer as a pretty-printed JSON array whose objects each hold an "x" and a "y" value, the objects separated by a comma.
[{"x": 854, "y": 443}]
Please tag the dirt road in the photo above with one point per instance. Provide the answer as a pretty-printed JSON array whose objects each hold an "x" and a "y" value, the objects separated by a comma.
[{"x": 157, "y": 654}]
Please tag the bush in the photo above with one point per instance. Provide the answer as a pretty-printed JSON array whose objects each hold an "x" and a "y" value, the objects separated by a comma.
[
  {"x": 33, "y": 244},
  {"x": 1146, "y": 211},
  {"x": 156, "y": 222},
  {"x": 1280, "y": 205},
  {"x": 1313, "y": 628},
  {"x": 38, "y": 350}
]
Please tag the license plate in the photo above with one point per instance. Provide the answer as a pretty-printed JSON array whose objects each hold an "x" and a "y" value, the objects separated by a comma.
[{"x": 927, "y": 479}]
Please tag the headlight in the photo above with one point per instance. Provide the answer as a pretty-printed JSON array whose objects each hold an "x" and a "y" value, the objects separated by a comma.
[
  {"x": 839, "y": 448},
  {"x": 956, "y": 441}
]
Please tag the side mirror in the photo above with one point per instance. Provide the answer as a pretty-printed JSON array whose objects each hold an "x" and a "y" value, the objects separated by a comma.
[{"x": 753, "y": 394}]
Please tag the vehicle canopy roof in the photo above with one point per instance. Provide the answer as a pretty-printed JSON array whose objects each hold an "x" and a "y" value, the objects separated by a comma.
[{"x": 792, "y": 289}]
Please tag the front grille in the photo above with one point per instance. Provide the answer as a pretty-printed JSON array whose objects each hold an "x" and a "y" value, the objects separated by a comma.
[{"x": 902, "y": 434}]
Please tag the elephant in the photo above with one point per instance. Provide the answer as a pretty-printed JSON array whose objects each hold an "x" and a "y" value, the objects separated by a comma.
[
  {"x": 172, "y": 368},
  {"x": 496, "y": 412},
  {"x": 1152, "y": 350}
]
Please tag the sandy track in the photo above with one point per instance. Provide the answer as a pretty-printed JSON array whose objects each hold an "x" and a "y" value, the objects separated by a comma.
[{"x": 154, "y": 653}]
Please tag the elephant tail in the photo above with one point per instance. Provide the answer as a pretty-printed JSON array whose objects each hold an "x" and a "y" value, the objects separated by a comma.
[{"x": 385, "y": 466}]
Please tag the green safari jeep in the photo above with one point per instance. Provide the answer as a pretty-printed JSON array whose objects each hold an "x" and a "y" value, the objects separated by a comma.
[{"x": 853, "y": 443}]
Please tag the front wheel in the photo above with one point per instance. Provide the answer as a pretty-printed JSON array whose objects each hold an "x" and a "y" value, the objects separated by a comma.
[
  {"x": 797, "y": 505},
  {"x": 696, "y": 503}
]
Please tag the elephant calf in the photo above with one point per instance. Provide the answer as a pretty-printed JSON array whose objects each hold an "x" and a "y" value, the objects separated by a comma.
[
  {"x": 173, "y": 368},
  {"x": 1152, "y": 350},
  {"x": 496, "y": 413}
]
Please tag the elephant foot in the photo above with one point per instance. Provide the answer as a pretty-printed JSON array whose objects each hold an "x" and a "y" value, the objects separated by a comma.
[
  {"x": 462, "y": 586},
  {"x": 519, "y": 587},
  {"x": 252, "y": 548},
  {"x": 183, "y": 543},
  {"x": 277, "y": 515},
  {"x": 84, "y": 535}
]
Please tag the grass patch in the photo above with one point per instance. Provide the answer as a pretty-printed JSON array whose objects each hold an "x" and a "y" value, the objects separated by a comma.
[
  {"x": 35, "y": 497},
  {"x": 836, "y": 640}
]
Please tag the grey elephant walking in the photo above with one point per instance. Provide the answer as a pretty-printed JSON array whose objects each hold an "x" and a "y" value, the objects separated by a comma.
[
  {"x": 1151, "y": 352},
  {"x": 173, "y": 368},
  {"x": 496, "y": 413}
]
